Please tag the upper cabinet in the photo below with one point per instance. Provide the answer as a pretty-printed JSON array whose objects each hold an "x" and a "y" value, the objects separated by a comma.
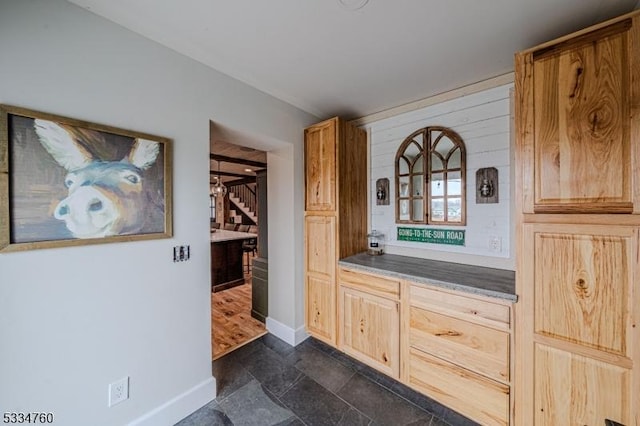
[
  {"x": 576, "y": 102},
  {"x": 320, "y": 166}
]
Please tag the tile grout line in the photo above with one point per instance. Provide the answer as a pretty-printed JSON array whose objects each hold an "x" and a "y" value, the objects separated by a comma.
[{"x": 433, "y": 415}]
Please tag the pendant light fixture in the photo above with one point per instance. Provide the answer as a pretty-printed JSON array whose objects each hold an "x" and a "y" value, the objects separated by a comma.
[{"x": 218, "y": 189}]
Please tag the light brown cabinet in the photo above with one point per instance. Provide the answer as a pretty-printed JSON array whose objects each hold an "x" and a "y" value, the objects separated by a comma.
[
  {"x": 335, "y": 216},
  {"x": 577, "y": 192},
  {"x": 320, "y": 166},
  {"x": 578, "y": 332},
  {"x": 456, "y": 349},
  {"x": 577, "y": 129},
  {"x": 320, "y": 276},
  {"x": 369, "y": 320}
]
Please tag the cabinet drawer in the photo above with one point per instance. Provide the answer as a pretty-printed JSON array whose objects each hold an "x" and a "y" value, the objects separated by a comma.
[
  {"x": 478, "y": 348},
  {"x": 385, "y": 287},
  {"x": 459, "y": 306},
  {"x": 480, "y": 399}
]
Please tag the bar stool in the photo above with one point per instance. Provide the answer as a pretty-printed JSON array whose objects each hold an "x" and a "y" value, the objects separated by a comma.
[{"x": 249, "y": 246}]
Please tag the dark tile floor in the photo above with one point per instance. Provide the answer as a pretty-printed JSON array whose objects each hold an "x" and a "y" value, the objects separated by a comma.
[{"x": 268, "y": 382}]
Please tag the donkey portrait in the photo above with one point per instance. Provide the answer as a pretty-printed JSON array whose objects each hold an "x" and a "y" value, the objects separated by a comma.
[{"x": 105, "y": 197}]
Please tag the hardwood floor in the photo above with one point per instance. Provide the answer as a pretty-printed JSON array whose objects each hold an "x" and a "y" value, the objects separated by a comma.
[{"x": 231, "y": 322}]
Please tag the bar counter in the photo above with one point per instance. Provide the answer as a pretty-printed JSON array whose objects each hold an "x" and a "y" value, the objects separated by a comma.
[{"x": 226, "y": 258}]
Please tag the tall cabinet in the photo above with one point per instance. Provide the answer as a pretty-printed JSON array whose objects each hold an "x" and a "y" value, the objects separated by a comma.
[
  {"x": 335, "y": 164},
  {"x": 577, "y": 112}
]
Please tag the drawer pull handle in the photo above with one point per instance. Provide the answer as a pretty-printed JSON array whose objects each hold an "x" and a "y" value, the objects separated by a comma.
[
  {"x": 449, "y": 333},
  {"x": 608, "y": 422}
]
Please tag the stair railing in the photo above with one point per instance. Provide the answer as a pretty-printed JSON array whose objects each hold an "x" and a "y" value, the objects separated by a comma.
[{"x": 246, "y": 195}]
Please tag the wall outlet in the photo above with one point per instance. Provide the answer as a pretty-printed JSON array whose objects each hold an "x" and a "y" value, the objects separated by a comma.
[
  {"x": 118, "y": 391},
  {"x": 495, "y": 244}
]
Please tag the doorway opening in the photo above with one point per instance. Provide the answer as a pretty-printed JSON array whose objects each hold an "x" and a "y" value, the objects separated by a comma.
[{"x": 238, "y": 213}]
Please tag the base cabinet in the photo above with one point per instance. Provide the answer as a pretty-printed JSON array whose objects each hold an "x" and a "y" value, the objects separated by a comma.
[
  {"x": 473, "y": 395},
  {"x": 457, "y": 351},
  {"x": 370, "y": 327},
  {"x": 452, "y": 347}
]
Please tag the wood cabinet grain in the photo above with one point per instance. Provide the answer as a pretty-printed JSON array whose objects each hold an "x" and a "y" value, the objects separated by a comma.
[
  {"x": 320, "y": 166},
  {"x": 369, "y": 329},
  {"x": 469, "y": 345},
  {"x": 456, "y": 349},
  {"x": 576, "y": 102},
  {"x": 473, "y": 395},
  {"x": 577, "y": 117},
  {"x": 335, "y": 216},
  {"x": 583, "y": 283},
  {"x": 598, "y": 390}
]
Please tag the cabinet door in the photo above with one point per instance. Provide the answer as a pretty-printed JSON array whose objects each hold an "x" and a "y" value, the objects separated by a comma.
[
  {"x": 320, "y": 144},
  {"x": 576, "y": 390},
  {"x": 582, "y": 285},
  {"x": 320, "y": 309},
  {"x": 576, "y": 123},
  {"x": 370, "y": 327},
  {"x": 578, "y": 337},
  {"x": 320, "y": 283}
]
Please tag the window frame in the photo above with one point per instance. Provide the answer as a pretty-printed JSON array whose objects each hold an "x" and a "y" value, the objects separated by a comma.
[{"x": 427, "y": 147}]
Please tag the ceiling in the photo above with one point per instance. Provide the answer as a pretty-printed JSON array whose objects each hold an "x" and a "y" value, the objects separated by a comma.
[
  {"x": 226, "y": 142},
  {"x": 328, "y": 60},
  {"x": 243, "y": 162}
]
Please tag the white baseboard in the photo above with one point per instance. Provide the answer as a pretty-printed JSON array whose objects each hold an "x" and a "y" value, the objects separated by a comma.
[
  {"x": 286, "y": 333},
  {"x": 179, "y": 407}
]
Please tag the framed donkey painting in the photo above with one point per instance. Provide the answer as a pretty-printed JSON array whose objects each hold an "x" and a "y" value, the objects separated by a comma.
[{"x": 67, "y": 182}]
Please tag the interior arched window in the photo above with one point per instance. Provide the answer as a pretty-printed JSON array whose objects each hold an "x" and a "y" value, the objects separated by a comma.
[{"x": 430, "y": 178}]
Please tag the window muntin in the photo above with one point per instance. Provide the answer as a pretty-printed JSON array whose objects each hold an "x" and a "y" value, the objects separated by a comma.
[{"x": 430, "y": 178}]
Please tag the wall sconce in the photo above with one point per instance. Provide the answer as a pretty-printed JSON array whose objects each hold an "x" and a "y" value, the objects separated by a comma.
[
  {"x": 487, "y": 185},
  {"x": 486, "y": 188},
  {"x": 382, "y": 192}
]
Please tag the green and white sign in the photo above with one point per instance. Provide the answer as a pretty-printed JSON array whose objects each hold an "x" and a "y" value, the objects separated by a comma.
[{"x": 454, "y": 237}]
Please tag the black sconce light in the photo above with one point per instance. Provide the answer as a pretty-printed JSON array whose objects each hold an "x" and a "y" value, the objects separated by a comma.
[
  {"x": 487, "y": 185},
  {"x": 486, "y": 188},
  {"x": 382, "y": 192}
]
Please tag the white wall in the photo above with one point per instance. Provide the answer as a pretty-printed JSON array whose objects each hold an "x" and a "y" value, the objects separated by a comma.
[
  {"x": 482, "y": 119},
  {"x": 286, "y": 305},
  {"x": 73, "y": 320}
]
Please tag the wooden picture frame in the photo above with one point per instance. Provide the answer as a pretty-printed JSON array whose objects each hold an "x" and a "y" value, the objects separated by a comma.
[{"x": 66, "y": 182}]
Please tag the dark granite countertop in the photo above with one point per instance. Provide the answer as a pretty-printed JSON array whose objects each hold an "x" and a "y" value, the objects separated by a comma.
[{"x": 491, "y": 282}]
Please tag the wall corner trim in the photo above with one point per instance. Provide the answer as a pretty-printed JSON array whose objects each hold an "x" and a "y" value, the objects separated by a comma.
[
  {"x": 286, "y": 333},
  {"x": 179, "y": 407}
]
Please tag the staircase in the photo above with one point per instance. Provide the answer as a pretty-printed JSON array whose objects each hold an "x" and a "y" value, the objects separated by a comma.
[{"x": 243, "y": 198}]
